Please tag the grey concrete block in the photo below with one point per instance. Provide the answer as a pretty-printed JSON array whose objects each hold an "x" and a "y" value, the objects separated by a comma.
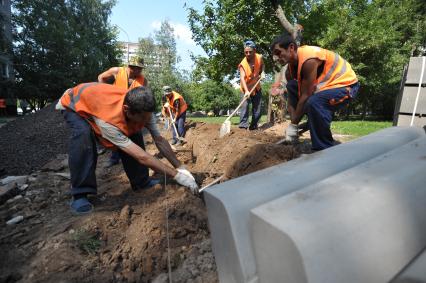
[
  {"x": 414, "y": 71},
  {"x": 229, "y": 203},
  {"x": 363, "y": 224},
  {"x": 405, "y": 120},
  {"x": 414, "y": 272},
  {"x": 409, "y": 98}
]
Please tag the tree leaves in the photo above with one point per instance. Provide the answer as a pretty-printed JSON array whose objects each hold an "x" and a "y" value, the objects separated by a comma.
[{"x": 59, "y": 44}]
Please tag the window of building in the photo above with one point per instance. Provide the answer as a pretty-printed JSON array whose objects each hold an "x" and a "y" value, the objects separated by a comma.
[{"x": 2, "y": 2}]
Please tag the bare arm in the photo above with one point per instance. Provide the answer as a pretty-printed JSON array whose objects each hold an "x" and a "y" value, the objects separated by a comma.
[
  {"x": 105, "y": 76},
  {"x": 242, "y": 80},
  {"x": 165, "y": 149},
  {"x": 309, "y": 75},
  {"x": 148, "y": 160}
]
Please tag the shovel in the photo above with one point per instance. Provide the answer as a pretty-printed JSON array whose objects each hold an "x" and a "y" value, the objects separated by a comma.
[
  {"x": 226, "y": 126},
  {"x": 182, "y": 140}
]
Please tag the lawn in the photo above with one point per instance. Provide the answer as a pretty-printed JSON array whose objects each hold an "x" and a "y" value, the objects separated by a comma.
[{"x": 355, "y": 128}]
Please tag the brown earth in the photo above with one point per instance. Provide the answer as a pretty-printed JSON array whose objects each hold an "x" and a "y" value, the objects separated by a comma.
[{"x": 127, "y": 237}]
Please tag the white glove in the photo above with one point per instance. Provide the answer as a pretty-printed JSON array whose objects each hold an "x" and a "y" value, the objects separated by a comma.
[
  {"x": 292, "y": 133},
  {"x": 262, "y": 76},
  {"x": 185, "y": 178},
  {"x": 166, "y": 105}
]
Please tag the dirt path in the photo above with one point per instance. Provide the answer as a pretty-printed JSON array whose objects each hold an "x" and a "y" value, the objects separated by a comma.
[{"x": 125, "y": 239}]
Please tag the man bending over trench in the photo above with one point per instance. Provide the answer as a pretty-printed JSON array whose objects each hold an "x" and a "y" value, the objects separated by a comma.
[{"x": 115, "y": 117}]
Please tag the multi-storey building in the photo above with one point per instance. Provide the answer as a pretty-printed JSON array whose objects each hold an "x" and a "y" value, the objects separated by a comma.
[{"x": 129, "y": 50}]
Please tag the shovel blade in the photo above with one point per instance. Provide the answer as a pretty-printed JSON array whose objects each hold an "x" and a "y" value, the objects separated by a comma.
[{"x": 225, "y": 128}]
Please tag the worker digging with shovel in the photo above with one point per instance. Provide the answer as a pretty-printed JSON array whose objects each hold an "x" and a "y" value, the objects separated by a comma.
[{"x": 175, "y": 108}]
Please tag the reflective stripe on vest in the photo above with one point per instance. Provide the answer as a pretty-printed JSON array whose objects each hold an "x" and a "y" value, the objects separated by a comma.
[
  {"x": 122, "y": 79},
  {"x": 103, "y": 101},
  {"x": 337, "y": 71},
  {"x": 249, "y": 75}
]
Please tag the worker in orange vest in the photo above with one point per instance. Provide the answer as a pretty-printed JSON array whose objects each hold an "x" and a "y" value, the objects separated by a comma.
[
  {"x": 177, "y": 105},
  {"x": 127, "y": 78},
  {"x": 320, "y": 82},
  {"x": 251, "y": 70},
  {"x": 114, "y": 117}
]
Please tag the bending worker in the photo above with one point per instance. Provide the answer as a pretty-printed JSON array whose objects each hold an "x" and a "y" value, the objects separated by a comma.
[
  {"x": 115, "y": 117},
  {"x": 320, "y": 82},
  {"x": 127, "y": 78},
  {"x": 251, "y": 70},
  {"x": 174, "y": 102}
]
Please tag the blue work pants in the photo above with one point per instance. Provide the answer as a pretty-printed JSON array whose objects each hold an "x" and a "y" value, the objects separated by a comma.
[
  {"x": 256, "y": 111},
  {"x": 180, "y": 126},
  {"x": 320, "y": 108},
  {"x": 82, "y": 157}
]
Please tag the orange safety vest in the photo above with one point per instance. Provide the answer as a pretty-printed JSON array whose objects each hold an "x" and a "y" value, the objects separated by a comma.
[
  {"x": 182, "y": 105},
  {"x": 337, "y": 71},
  {"x": 103, "y": 101},
  {"x": 249, "y": 75},
  {"x": 122, "y": 79}
]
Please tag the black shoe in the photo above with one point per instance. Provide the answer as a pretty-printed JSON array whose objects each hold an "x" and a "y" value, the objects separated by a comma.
[{"x": 253, "y": 128}]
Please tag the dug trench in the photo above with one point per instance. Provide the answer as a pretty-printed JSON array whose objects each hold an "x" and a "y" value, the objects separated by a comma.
[{"x": 126, "y": 238}]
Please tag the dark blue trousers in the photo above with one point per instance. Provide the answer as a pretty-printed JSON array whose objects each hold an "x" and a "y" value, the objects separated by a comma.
[
  {"x": 180, "y": 126},
  {"x": 256, "y": 111},
  {"x": 320, "y": 108},
  {"x": 83, "y": 156}
]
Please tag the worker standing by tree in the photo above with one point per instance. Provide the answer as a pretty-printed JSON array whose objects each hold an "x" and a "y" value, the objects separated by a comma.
[
  {"x": 251, "y": 70},
  {"x": 175, "y": 103},
  {"x": 127, "y": 78},
  {"x": 115, "y": 117},
  {"x": 320, "y": 82}
]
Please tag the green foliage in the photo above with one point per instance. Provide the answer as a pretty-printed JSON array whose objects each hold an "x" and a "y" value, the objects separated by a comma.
[
  {"x": 160, "y": 55},
  {"x": 221, "y": 28},
  {"x": 376, "y": 37},
  {"x": 86, "y": 241},
  {"x": 59, "y": 44},
  {"x": 210, "y": 95}
]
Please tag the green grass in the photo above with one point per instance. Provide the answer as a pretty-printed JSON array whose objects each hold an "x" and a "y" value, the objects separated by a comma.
[
  {"x": 219, "y": 120},
  {"x": 356, "y": 128}
]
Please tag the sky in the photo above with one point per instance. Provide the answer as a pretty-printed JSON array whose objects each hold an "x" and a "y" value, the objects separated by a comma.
[{"x": 140, "y": 18}]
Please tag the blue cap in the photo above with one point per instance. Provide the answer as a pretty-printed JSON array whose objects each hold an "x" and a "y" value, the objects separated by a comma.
[{"x": 249, "y": 43}]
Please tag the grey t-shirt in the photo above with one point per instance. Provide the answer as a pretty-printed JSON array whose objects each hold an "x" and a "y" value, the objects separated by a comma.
[{"x": 117, "y": 137}]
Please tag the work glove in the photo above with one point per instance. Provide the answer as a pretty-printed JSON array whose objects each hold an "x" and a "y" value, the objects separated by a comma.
[
  {"x": 166, "y": 105},
  {"x": 292, "y": 133},
  {"x": 185, "y": 178}
]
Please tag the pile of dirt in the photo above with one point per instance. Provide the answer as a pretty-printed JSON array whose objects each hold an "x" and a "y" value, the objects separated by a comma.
[
  {"x": 237, "y": 154},
  {"x": 30, "y": 141},
  {"x": 131, "y": 236}
]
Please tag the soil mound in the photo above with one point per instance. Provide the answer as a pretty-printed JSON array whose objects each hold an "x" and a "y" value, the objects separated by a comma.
[
  {"x": 237, "y": 154},
  {"x": 30, "y": 141},
  {"x": 130, "y": 236}
]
